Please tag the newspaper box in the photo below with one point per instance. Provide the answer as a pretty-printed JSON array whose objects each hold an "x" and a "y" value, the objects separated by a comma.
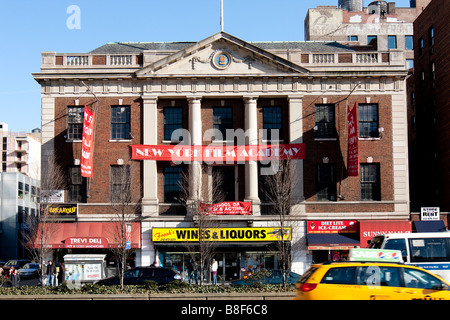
[{"x": 84, "y": 267}]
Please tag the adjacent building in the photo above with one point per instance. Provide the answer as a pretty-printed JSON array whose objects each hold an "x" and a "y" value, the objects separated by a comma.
[
  {"x": 19, "y": 188},
  {"x": 380, "y": 26},
  {"x": 21, "y": 151},
  {"x": 429, "y": 149},
  {"x": 19, "y": 203},
  {"x": 290, "y": 94}
]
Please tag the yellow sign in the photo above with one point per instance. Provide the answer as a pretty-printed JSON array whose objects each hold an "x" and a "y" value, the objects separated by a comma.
[{"x": 220, "y": 234}]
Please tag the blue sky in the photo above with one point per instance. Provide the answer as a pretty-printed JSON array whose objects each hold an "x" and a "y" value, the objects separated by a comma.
[{"x": 28, "y": 27}]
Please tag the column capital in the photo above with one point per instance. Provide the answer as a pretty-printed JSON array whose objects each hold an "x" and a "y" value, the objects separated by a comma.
[
  {"x": 191, "y": 99},
  {"x": 295, "y": 97},
  {"x": 149, "y": 97},
  {"x": 250, "y": 98}
]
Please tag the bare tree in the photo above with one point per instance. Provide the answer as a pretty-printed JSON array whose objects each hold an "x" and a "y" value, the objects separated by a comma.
[
  {"x": 280, "y": 189},
  {"x": 42, "y": 227},
  {"x": 126, "y": 200},
  {"x": 196, "y": 202}
]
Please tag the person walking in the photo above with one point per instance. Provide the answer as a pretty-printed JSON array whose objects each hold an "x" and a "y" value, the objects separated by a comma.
[
  {"x": 15, "y": 278},
  {"x": 51, "y": 270},
  {"x": 61, "y": 273},
  {"x": 214, "y": 267}
]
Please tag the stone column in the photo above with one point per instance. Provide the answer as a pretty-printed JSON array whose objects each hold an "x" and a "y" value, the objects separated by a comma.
[
  {"x": 251, "y": 167},
  {"x": 195, "y": 130},
  {"x": 150, "y": 181}
]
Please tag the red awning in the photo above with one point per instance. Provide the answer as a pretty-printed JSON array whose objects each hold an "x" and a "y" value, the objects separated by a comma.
[
  {"x": 87, "y": 235},
  {"x": 371, "y": 228}
]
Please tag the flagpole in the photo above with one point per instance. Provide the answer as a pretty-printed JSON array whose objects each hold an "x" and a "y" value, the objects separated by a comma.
[{"x": 221, "y": 16}]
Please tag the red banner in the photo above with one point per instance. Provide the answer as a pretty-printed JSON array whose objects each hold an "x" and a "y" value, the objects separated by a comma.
[
  {"x": 332, "y": 226},
  {"x": 371, "y": 228},
  {"x": 87, "y": 144},
  {"x": 352, "y": 153},
  {"x": 223, "y": 154},
  {"x": 228, "y": 208}
]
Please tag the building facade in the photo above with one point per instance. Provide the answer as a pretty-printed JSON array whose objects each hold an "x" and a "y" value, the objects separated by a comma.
[
  {"x": 430, "y": 109},
  {"x": 143, "y": 92},
  {"x": 381, "y": 25},
  {"x": 19, "y": 198},
  {"x": 21, "y": 152}
]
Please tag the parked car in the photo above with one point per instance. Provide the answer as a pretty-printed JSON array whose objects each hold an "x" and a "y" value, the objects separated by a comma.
[
  {"x": 267, "y": 277},
  {"x": 141, "y": 274},
  {"x": 16, "y": 263},
  {"x": 30, "y": 270}
]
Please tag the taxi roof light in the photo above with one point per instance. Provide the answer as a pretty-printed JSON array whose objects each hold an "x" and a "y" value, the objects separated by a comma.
[{"x": 376, "y": 255}]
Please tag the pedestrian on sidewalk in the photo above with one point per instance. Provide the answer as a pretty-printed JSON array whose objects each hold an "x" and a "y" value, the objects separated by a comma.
[
  {"x": 51, "y": 272},
  {"x": 15, "y": 278},
  {"x": 214, "y": 267}
]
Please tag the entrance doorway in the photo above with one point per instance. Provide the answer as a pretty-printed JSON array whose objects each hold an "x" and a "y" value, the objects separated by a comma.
[{"x": 228, "y": 265}]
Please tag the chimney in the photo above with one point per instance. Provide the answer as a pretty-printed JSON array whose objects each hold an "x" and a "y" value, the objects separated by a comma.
[{"x": 391, "y": 8}]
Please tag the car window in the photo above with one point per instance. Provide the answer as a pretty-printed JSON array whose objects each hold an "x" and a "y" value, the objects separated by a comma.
[
  {"x": 163, "y": 272},
  {"x": 133, "y": 273},
  {"x": 379, "y": 276},
  {"x": 307, "y": 274},
  {"x": 396, "y": 244},
  {"x": 11, "y": 263},
  {"x": 429, "y": 249},
  {"x": 342, "y": 275},
  {"x": 276, "y": 274},
  {"x": 147, "y": 272},
  {"x": 419, "y": 279}
]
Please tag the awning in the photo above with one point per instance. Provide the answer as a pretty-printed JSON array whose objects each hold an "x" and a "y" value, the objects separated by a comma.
[
  {"x": 333, "y": 241},
  {"x": 89, "y": 235},
  {"x": 430, "y": 226},
  {"x": 371, "y": 228}
]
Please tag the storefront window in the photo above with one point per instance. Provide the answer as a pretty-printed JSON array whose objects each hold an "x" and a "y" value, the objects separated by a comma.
[
  {"x": 232, "y": 265},
  {"x": 253, "y": 262}
]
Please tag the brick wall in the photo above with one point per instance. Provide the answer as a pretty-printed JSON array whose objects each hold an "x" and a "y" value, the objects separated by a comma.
[
  {"x": 106, "y": 152},
  {"x": 432, "y": 108},
  {"x": 379, "y": 149}
]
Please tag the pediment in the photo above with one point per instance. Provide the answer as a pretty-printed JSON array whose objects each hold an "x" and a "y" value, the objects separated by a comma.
[{"x": 221, "y": 55}]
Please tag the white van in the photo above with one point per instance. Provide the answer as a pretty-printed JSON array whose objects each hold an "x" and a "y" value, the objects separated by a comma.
[{"x": 427, "y": 250}]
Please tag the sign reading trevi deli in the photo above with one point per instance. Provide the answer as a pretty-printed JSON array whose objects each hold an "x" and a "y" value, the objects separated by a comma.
[{"x": 220, "y": 234}]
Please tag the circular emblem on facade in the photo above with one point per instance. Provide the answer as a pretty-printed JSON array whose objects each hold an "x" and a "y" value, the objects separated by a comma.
[{"x": 222, "y": 60}]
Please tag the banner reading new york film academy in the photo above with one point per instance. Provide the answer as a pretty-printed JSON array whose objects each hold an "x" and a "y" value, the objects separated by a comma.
[
  {"x": 352, "y": 153},
  {"x": 87, "y": 144},
  {"x": 220, "y": 234},
  {"x": 213, "y": 153}
]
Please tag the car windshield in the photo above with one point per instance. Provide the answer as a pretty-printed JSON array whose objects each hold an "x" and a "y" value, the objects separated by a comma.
[{"x": 11, "y": 263}]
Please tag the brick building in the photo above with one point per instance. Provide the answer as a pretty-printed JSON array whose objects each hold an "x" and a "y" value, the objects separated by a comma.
[
  {"x": 302, "y": 89},
  {"x": 429, "y": 173},
  {"x": 381, "y": 25}
]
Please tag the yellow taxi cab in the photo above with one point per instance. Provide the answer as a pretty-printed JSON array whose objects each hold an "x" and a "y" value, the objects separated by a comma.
[{"x": 370, "y": 275}]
